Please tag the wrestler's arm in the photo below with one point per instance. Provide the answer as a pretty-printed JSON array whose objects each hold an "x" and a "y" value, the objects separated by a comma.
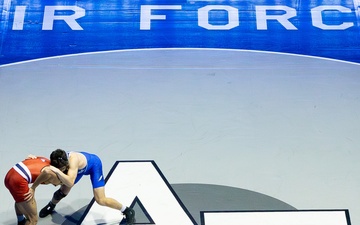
[
  {"x": 46, "y": 177},
  {"x": 69, "y": 178}
]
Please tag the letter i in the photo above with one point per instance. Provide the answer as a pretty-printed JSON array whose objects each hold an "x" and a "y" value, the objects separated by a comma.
[{"x": 19, "y": 18}]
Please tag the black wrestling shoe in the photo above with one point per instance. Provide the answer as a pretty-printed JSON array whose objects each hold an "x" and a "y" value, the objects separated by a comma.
[
  {"x": 47, "y": 210},
  {"x": 129, "y": 215},
  {"x": 22, "y": 222}
]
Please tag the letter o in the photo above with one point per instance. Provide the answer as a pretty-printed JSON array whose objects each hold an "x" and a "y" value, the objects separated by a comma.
[{"x": 203, "y": 17}]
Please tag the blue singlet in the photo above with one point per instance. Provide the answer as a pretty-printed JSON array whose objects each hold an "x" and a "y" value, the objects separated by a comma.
[{"x": 93, "y": 168}]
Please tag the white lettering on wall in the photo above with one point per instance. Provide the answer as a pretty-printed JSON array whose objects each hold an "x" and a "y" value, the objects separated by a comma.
[
  {"x": 146, "y": 15},
  {"x": 50, "y": 17},
  {"x": 203, "y": 17},
  {"x": 262, "y": 17},
  {"x": 317, "y": 18},
  {"x": 19, "y": 17},
  {"x": 150, "y": 13}
]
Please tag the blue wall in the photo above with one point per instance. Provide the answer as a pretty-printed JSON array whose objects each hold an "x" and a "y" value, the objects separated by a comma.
[{"x": 49, "y": 28}]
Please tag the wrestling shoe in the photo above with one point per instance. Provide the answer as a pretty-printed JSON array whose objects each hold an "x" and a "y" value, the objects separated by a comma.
[
  {"x": 22, "y": 222},
  {"x": 129, "y": 215},
  {"x": 47, "y": 210}
]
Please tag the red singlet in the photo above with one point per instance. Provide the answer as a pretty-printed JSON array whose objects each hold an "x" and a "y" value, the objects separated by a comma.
[{"x": 19, "y": 177}]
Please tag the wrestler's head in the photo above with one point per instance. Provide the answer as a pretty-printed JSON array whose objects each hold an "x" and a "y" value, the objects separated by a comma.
[{"x": 59, "y": 159}]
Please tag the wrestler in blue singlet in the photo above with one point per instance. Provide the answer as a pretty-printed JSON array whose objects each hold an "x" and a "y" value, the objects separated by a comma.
[{"x": 93, "y": 168}]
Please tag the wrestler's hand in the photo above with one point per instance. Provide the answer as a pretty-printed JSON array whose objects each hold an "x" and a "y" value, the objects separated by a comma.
[
  {"x": 29, "y": 195},
  {"x": 31, "y": 156}
]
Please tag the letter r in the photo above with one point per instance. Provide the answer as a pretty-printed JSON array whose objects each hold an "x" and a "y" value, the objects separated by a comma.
[{"x": 49, "y": 17}]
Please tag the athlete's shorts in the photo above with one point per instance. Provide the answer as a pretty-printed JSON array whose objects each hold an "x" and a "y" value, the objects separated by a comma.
[
  {"x": 17, "y": 185},
  {"x": 94, "y": 169}
]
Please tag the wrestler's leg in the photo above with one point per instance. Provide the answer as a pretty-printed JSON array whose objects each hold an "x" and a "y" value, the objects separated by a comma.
[
  {"x": 20, "y": 216},
  {"x": 29, "y": 209},
  {"x": 58, "y": 195},
  {"x": 98, "y": 183},
  {"x": 101, "y": 199}
]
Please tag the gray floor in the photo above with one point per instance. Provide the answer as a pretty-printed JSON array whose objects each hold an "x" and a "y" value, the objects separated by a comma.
[{"x": 280, "y": 125}]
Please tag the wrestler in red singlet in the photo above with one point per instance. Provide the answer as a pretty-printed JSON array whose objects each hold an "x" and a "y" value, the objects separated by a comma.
[{"x": 22, "y": 174}]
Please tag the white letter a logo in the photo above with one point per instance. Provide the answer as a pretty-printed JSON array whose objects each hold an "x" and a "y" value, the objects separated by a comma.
[{"x": 139, "y": 184}]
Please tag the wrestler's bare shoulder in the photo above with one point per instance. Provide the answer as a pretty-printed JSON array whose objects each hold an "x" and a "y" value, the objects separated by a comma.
[{"x": 82, "y": 162}]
